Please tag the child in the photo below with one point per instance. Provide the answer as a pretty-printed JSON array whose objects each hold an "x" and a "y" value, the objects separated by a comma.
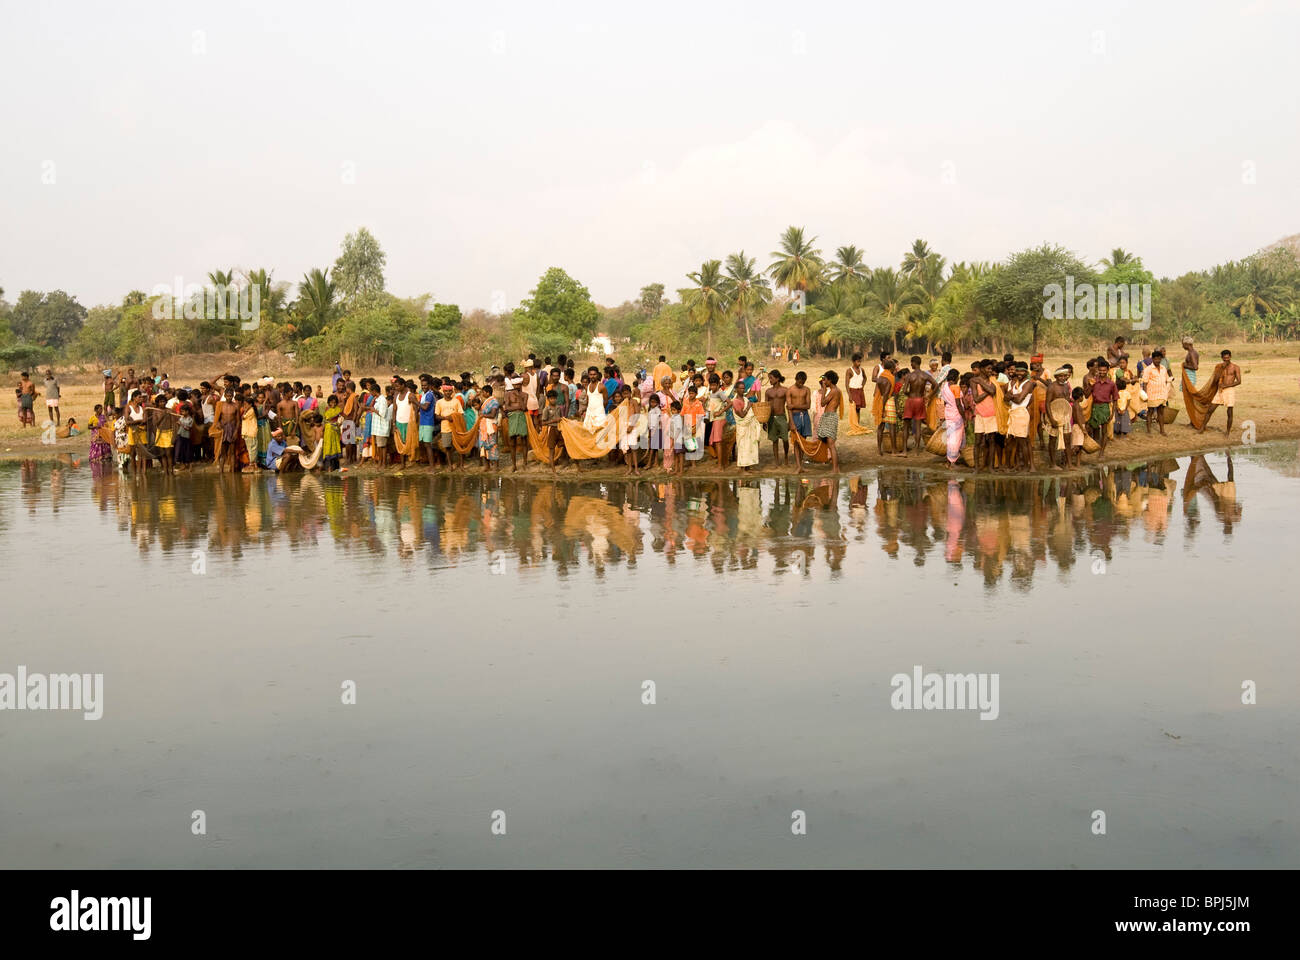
[
  {"x": 184, "y": 426},
  {"x": 551, "y": 416},
  {"x": 674, "y": 462},
  {"x": 658, "y": 424},
  {"x": 333, "y": 438},
  {"x": 1075, "y": 449}
]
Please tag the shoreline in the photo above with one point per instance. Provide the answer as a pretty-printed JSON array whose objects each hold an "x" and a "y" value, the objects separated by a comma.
[{"x": 858, "y": 453}]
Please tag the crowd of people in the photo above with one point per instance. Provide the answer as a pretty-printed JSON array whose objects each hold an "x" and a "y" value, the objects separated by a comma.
[{"x": 993, "y": 416}]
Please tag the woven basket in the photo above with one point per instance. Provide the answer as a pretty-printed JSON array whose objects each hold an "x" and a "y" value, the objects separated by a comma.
[
  {"x": 1168, "y": 414},
  {"x": 762, "y": 411},
  {"x": 1090, "y": 445},
  {"x": 938, "y": 443}
]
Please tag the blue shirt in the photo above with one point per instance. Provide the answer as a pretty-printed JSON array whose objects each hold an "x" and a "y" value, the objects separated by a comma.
[
  {"x": 274, "y": 450},
  {"x": 334, "y": 381},
  {"x": 428, "y": 418}
]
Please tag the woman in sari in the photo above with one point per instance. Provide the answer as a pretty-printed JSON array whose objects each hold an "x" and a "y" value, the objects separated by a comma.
[
  {"x": 100, "y": 448},
  {"x": 747, "y": 431},
  {"x": 953, "y": 419},
  {"x": 333, "y": 448},
  {"x": 487, "y": 429},
  {"x": 262, "y": 410}
]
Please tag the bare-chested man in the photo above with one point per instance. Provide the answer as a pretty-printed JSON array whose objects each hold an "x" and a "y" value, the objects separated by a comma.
[
  {"x": 828, "y": 427},
  {"x": 798, "y": 403},
  {"x": 778, "y": 427},
  {"x": 884, "y": 389},
  {"x": 286, "y": 413},
  {"x": 1228, "y": 374},
  {"x": 1020, "y": 399},
  {"x": 918, "y": 386},
  {"x": 1059, "y": 431},
  {"x": 1191, "y": 361},
  {"x": 983, "y": 393},
  {"x": 228, "y": 425}
]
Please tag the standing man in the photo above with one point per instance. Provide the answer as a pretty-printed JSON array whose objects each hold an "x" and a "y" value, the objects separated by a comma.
[
  {"x": 1192, "y": 361},
  {"x": 1115, "y": 352},
  {"x": 917, "y": 387},
  {"x": 828, "y": 427},
  {"x": 884, "y": 400},
  {"x": 52, "y": 398},
  {"x": 428, "y": 418},
  {"x": 515, "y": 405},
  {"x": 778, "y": 426},
  {"x": 1104, "y": 394},
  {"x": 1155, "y": 380},
  {"x": 855, "y": 378},
  {"x": 1229, "y": 376},
  {"x": 983, "y": 393}
]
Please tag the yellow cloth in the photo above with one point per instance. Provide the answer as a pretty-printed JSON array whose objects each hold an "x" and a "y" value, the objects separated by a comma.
[
  {"x": 878, "y": 401},
  {"x": 584, "y": 444},
  {"x": 1003, "y": 412}
]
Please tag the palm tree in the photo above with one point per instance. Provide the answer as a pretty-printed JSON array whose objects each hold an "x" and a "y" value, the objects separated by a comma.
[
  {"x": 746, "y": 289},
  {"x": 848, "y": 266},
  {"x": 895, "y": 299},
  {"x": 1262, "y": 294},
  {"x": 316, "y": 296},
  {"x": 798, "y": 268},
  {"x": 706, "y": 301},
  {"x": 916, "y": 262},
  {"x": 839, "y": 317},
  {"x": 1118, "y": 257}
]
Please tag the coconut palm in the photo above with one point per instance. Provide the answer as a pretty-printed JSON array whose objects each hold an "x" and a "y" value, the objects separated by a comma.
[
  {"x": 1118, "y": 257},
  {"x": 746, "y": 289},
  {"x": 316, "y": 302},
  {"x": 895, "y": 300},
  {"x": 706, "y": 302},
  {"x": 1262, "y": 294},
  {"x": 848, "y": 267},
  {"x": 797, "y": 269}
]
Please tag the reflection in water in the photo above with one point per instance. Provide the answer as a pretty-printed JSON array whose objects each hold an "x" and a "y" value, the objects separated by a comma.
[{"x": 1005, "y": 528}]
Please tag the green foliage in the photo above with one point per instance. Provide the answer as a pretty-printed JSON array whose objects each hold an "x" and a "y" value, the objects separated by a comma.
[
  {"x": 651, "y": 300},
  {"x": 1016, "y": 293},
  {"x": 359, "y": 270},
  {"x": 557, "y": 317},
  {"x": 46, "y": 319}
]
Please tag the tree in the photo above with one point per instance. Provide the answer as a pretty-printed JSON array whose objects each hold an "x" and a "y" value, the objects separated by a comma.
[
  {"x": 316, "y": 305},
  {"x": 558, "y": 315},
  {"x": 1118, "y": 257},
  {"x": 848, "y": 266},
  {"x": 651, "y": 300},
  {"x": 746, "y": 290},
  {"x": 894, "y": 299},
  {"x": 798, "y": 268},
  {"x": 48, "y": 320},
  {"x": 1019, "y": 292},
  {"x": 706, "y": 301},
  {"x": 97, "y": 340},
  {"x": 359, "y": 270}
]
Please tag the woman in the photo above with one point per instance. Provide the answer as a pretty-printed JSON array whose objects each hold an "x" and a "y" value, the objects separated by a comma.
[
  {"x": 100, "y": 448},
  {"x": 333, "y": 448},
  {"x": 488, "y": 417},
  {"x": 747, "y": 431},
  {"x": 954, "y": 419}
]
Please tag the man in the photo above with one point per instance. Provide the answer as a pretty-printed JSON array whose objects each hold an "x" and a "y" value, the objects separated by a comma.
[
  {"x": 917, "y": 388},
  {"x": 887, "y": 409},
  {"x": 229, "y": 429},
  {"x": 941, "y": 375},
  {"x": 1058, "y": 430},
  {"x": 1228, "y": 375},
  {"x": 52, "y": 398},
  {"x": 381, "y": 422},
  {"x": 1020, "y": 399},
  {"x": 286, "y": 413},
  {"x": 26, "y": 400},
  {"x": 1155, "y": 381},
  {"x": 855, "y": 379},
  {"x": 1191, "y": 361},
  {"x": 798, "y": 401},
  {"x": 1116, "y": 352},
  {"x": 551, "y": 415},
  {"x": 276, "y": 457},
  {"x": 515, "y": 406},
  {"x": 828, "y": 427},
  {"x": 983, "y": 393},
  {"x": 661, "y": 370},
  {"x": 446, "y": 409},
  {"x": 778, "y": 425},
  {"x": 428, "y": 420},
  {"x": 1104, "y": 394}
]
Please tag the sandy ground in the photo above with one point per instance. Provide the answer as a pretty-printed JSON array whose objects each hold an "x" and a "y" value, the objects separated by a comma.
[{"x": 1269, "y": 399}]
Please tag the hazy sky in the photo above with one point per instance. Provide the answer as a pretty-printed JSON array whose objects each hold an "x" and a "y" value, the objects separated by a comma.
[{"x": 626, "y": 143}]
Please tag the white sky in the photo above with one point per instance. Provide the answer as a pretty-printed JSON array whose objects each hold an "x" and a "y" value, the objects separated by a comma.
[{"x": 626, "y": 143}]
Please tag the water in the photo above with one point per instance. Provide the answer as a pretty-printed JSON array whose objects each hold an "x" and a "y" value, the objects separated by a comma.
[{"x": 499, "y": 635}]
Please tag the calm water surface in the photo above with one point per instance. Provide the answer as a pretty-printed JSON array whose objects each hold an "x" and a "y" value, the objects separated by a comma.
[{"x": 499, "y": 634}]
